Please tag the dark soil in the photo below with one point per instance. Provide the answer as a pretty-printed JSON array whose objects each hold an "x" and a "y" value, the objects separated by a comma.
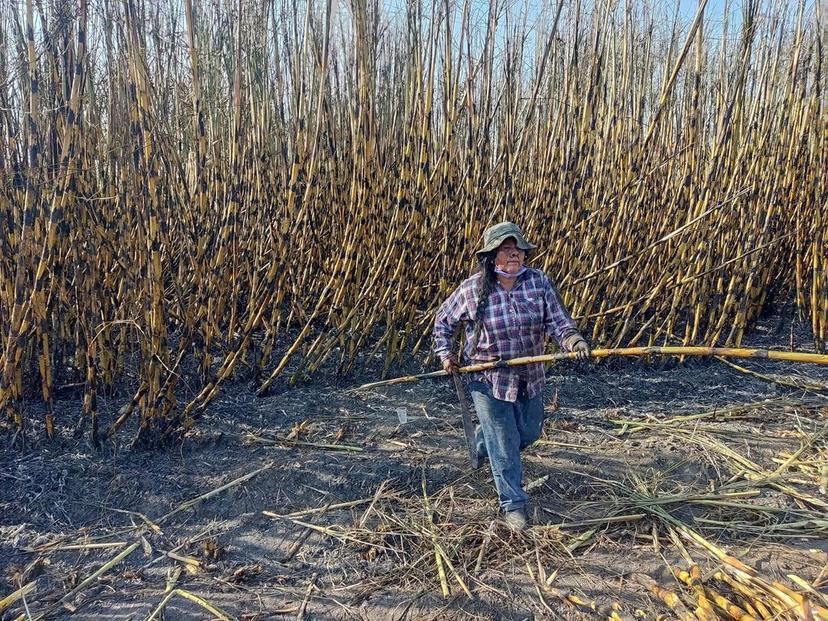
[{"x": 253, "y": 566}]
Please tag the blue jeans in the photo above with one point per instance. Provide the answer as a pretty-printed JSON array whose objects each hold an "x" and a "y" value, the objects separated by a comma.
[{"x": 506, "y": 428}]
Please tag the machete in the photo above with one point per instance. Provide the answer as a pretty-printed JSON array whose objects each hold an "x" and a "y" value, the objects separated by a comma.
[{"x": 468, "y": 426}]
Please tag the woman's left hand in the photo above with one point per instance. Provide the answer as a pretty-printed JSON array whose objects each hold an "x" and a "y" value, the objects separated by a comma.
[{"x": 582, "y": 349}]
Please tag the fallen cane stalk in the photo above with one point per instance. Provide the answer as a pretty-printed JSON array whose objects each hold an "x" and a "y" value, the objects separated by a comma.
[
  {"x": 296, "y": 546},
  {"x": 725, "y": 352},
  {"x": 94, "y": 576},
  {"x": 193, "y": 562},
  {"x": 809, "y": 386},
  {"x": 330, "y": 532},
  {"x": 370, "y": 508},
  {"x": 668, "y": 597},
  {"x": 727, "y": 606},
  {"x": 745, "y": 593},
  {"x": 692, "y": 579},
  {"x": 597, "y": 521},
  {"x": 152, "y": 525},
  {"x": 792, "y": 459},
  {"x": 536, "y": 584},
  {"x": 580, "y": 540},
  {"x": 217, "y": 612},
  {"x": 85, "y": 546},
  {"x": 16, "y": 595},
  {"x": 304, "y": 605},
  {"x": 570, "y": 599},
  {"x": 441, "y": 571},
  {"x": 487, "y": 538},
  {"x": 297, "y": 514},
  {"x": 439, "y": 549},
  {"x": 155, "y": 614},
  {"x": 807, "y": 587},
  {"x": 290, "y": 443},
  {"x": 747, "y": 575},
  {"x": 191, "y": 503}
]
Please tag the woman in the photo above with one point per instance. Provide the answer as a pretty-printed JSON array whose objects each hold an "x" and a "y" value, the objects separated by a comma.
[{"x": 507, "y": 308}]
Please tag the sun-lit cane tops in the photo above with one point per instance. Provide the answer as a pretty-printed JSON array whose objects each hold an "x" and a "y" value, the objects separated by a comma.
[{"x": 514, "y": 326}]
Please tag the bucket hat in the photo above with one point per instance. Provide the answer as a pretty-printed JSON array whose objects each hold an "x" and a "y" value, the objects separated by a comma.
[{"x": 499, "y": 233}]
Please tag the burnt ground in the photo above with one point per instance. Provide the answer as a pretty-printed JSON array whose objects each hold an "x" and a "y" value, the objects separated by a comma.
[{"x": 375, "y": 559}]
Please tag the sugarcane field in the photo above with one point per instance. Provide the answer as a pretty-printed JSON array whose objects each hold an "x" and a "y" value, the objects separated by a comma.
[{"x": 413, "y": 310}]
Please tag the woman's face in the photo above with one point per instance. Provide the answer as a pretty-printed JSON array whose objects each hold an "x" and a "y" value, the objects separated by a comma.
[{"x": 509, "y": 258}]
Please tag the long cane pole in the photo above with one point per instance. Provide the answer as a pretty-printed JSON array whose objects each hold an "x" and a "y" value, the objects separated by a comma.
[{"x": 725, "y": 352}]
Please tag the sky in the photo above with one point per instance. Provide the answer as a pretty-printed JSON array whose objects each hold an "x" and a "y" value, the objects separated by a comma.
[
  {"x": 539, "y": 14},
  {"x": 537, "y": 8}
]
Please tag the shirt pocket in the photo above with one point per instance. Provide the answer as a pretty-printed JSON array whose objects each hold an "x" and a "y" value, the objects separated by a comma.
[{"x": 530, "y": 311}]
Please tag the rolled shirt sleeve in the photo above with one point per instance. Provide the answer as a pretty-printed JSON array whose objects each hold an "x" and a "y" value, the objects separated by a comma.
[
  {"x": 557, "y": 322},
  {"x": 449, "y": 316}
]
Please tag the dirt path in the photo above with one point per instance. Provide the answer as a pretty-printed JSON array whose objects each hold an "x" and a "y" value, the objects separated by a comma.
[{"x": 376, "y": 558}]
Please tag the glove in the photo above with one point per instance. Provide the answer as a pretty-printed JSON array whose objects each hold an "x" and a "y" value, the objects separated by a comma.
[
  {"x": 582, "y": 349},
  {"x": 577, "y": 344}
]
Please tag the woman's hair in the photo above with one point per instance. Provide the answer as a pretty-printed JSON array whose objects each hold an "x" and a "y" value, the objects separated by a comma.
[{"x": 486, "y": 274}]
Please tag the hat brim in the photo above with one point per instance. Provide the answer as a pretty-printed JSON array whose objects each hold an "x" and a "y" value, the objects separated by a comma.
[{"x": 497, "y": 241}]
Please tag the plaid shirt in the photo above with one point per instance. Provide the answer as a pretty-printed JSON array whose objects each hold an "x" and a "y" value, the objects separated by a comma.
[{"x": 514, "y": 325}]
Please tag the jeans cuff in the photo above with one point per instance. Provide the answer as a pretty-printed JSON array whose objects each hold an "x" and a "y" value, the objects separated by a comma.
[{"x": 512, "y": 506}]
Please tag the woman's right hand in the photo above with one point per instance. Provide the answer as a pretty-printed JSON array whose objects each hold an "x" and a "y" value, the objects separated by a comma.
[{"x": 450, "y": 366}]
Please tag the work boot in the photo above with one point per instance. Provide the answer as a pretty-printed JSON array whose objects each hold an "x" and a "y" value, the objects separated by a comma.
[{"x": 516, "y": 520}]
